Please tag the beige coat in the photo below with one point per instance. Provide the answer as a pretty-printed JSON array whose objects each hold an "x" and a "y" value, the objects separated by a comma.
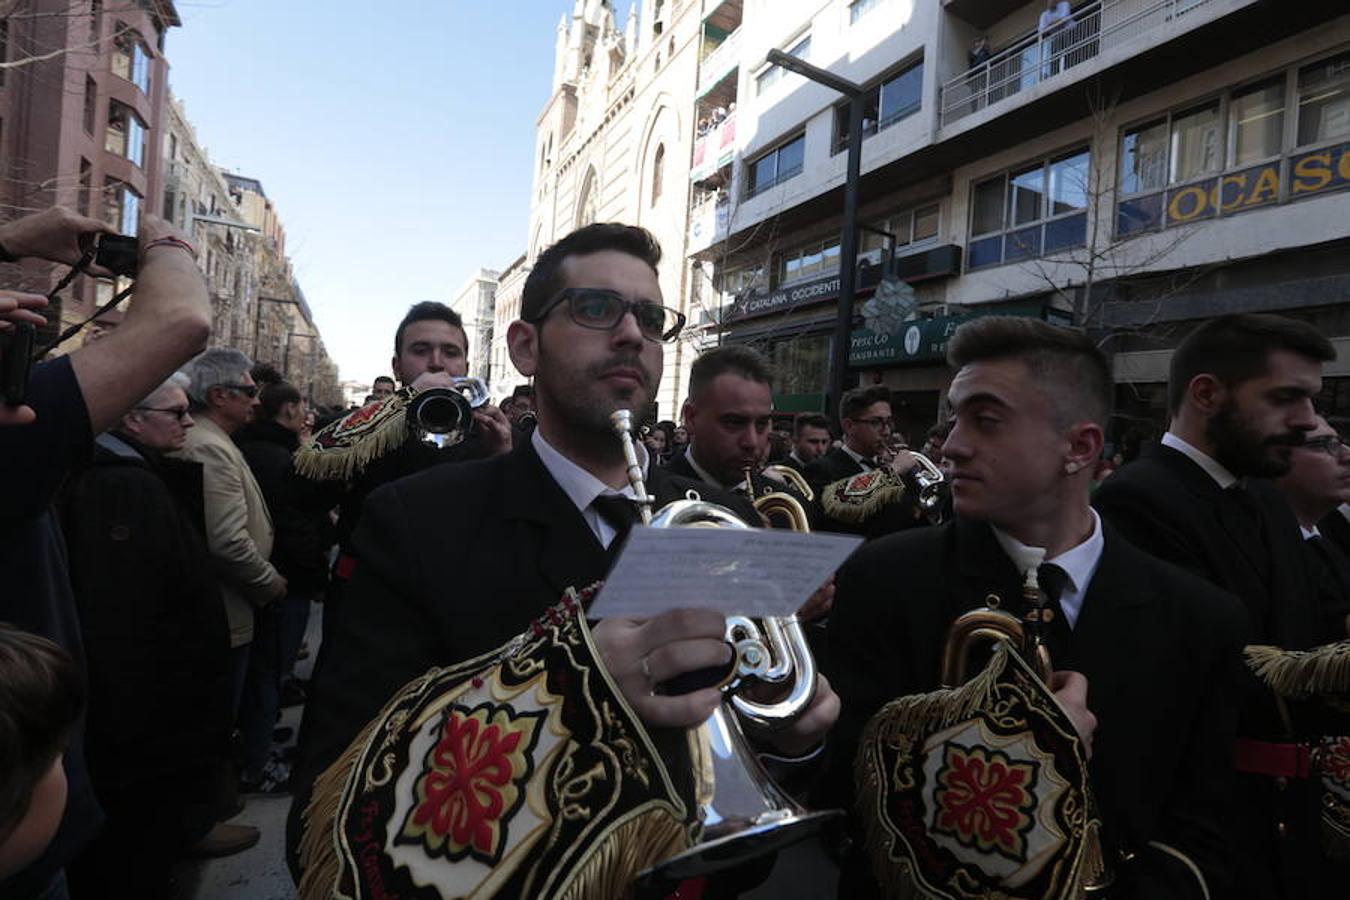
[{"x": 238, "y": 527}]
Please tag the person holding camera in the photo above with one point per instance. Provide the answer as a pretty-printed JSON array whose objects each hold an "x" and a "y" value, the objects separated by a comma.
[{"x": 68, "y": 400}]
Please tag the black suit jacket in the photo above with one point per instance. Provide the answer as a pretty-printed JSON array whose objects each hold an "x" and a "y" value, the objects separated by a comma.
[
  {"x": 761, "y": 484},
  {"x": 453, "y": 562},
  {"x": 1167, "y": 505},
  {"x": 831, "y": 466},
  {"x": 1159, "y": 647}
]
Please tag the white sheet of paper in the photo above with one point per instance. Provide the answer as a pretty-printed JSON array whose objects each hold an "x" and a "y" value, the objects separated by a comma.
[{"x": 751, "y": 572}]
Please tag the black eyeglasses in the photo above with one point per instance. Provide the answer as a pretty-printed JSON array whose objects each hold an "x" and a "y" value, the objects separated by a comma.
[
  {"x": 602, "y": 310},
  {"x": 179, "y": 412},
  {"x": 1330, "y": 445},
  {"x": 878, "y": 422},
  {"x": 248, "y": 390}
]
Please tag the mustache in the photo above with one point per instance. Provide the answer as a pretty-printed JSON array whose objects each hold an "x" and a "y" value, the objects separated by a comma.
[{"x": 620, "y": 361}]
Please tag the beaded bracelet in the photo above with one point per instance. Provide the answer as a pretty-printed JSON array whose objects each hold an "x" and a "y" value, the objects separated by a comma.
[{"x": 171, "y": 241}]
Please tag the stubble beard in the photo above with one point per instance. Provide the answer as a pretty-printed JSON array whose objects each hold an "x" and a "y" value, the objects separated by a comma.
[{"x": 584, "y": 404}]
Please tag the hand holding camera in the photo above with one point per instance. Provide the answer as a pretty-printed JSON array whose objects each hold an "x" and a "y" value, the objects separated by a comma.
[{"x": 55, "y": 234}]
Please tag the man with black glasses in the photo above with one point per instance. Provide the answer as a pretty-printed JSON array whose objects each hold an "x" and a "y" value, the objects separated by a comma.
[
  {"x": 457, "y": 560},
  {"x": 869, "y": 509}
]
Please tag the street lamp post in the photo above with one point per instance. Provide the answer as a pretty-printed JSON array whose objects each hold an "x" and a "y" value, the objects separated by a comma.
[{"x": 848, "y": 238}]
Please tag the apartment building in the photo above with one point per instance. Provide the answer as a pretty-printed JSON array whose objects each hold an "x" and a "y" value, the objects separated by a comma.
[
  {"x": 505, "y": 310},
  {"x": 82, "y": 106},
  {"x": 1134, "y": 169}
]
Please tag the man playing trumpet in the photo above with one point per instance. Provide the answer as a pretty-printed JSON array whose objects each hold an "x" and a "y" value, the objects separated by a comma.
[
  {"x": 458, "y": 560},
  {"x": 1157, "y": 647}
]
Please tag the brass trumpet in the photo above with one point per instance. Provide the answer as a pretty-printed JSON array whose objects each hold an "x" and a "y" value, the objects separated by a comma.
[
  {"x": 792, "y": 477},
  {"x": 743, "y": 812}
]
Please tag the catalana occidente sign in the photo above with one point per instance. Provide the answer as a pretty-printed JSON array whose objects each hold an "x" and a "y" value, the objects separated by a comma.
[{"x": 817, "y": 290}]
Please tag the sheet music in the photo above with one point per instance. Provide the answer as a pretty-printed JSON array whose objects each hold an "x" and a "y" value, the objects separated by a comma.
[{"x": 753, "y": 572}]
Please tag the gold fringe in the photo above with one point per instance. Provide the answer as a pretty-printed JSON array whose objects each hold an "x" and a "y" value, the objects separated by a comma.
[
  {"x": 345, "y": 462},
  {"x": 610, "y": 869},
  {"x": 940, "y": 708},
  {"x": 860, "y": 507},
  {"x": 1298, "y": 673},
  {"x": 319, "y": 864}
]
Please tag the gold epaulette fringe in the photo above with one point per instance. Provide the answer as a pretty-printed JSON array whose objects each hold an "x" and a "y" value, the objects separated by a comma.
[
  {"x": 1300, "y": 673},
  {"x": 343, "y": 449},
  {"x": 859, "y": 497}
]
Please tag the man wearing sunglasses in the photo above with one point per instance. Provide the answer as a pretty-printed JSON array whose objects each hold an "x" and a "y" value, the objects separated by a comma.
[
  {"x": 457, "y": 560},
  {"x": 238, "y": 526},
  {"x": 157, "y": 645}
]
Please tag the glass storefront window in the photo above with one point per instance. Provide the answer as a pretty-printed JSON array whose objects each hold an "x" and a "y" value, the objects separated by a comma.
[
  {"x": 1324, "y": 100},
  {"x": 801, "y": 363},
  {"x": 1196, "y": 146},
  {"x": 1256, "y": 121}
]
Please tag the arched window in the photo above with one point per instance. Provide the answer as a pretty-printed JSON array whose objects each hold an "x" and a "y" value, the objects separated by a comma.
[
  {"x": 658, "y": 172},
  {"x": 586, "y": 200}
]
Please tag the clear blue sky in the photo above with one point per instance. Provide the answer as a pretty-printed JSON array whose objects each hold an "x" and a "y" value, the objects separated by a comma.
[{"x": 396, "y": 140}]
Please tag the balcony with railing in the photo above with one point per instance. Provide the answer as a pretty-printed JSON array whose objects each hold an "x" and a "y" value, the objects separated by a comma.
[
  {"x": 719, "y": 60},
  {"x": 715, "y": 144},
  {"x": 1058, "y": 54}
]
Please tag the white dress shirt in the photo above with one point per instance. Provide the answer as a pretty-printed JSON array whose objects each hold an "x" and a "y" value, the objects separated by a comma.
[
  {"x": 1224, "y": 478},
  {"x": 581, "y": 487},
  {"x": 1079, "y": 563}
]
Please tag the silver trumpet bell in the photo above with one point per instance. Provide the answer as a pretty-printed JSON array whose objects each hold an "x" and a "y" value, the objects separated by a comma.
[
  {"x": 442, "y": 417},
  {"x": 744, "y": 814}
]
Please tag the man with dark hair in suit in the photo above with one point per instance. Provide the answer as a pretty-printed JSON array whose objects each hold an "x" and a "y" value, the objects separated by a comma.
[
  {"x": 1318, "y": 482},
  {"x": 728, "y": 415},
  {"x": 865, "y": 417},
  {"x": 1029, "y": 402},
  {"x": 1240, "y": 394},
  {"x": 456, "y": 560},
  {"x": 810, "y": 440}
]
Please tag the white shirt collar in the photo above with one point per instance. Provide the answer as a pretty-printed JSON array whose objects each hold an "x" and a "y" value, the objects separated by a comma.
[
  {"x": 1310, "y": 533},
  {"x": 580, "y": 486},
  {"x": 1344, "y": 510},
  {"x": 1224, "y": 478},
  {"x": 797, "y": 459},
  {"x": 1079, "y": 563}
]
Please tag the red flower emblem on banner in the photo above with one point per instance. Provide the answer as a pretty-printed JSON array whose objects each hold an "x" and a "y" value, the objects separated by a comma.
[
  {"x": 472, "y": 780},
  {"x": 859, "y": 484},
  {"x": 984, "y": 800}
]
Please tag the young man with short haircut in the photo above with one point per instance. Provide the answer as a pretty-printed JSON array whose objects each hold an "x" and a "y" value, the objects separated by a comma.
[{"x": 1029, "y": 402}]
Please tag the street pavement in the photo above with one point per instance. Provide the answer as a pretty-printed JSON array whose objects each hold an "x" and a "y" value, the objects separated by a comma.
[{"x": 803, "y": 872}]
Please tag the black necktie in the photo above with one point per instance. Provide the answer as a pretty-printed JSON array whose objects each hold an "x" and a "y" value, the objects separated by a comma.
[
  {"x": 620, "y": 512},
  {"x": 1058, "y": 634}
]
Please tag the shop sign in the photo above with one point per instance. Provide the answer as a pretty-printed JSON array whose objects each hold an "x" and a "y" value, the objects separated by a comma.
[
  {"x": 918, "y": 340},
  {"x": 761, "y": 303},
  {"x": 914, "y": 341},
  {"x": 1311, "y": 173}
]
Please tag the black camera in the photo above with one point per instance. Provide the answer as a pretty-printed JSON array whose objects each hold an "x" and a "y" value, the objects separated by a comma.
[
  {"x": 16, "y": 358},
  {"x": 118, "y": 254}
]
